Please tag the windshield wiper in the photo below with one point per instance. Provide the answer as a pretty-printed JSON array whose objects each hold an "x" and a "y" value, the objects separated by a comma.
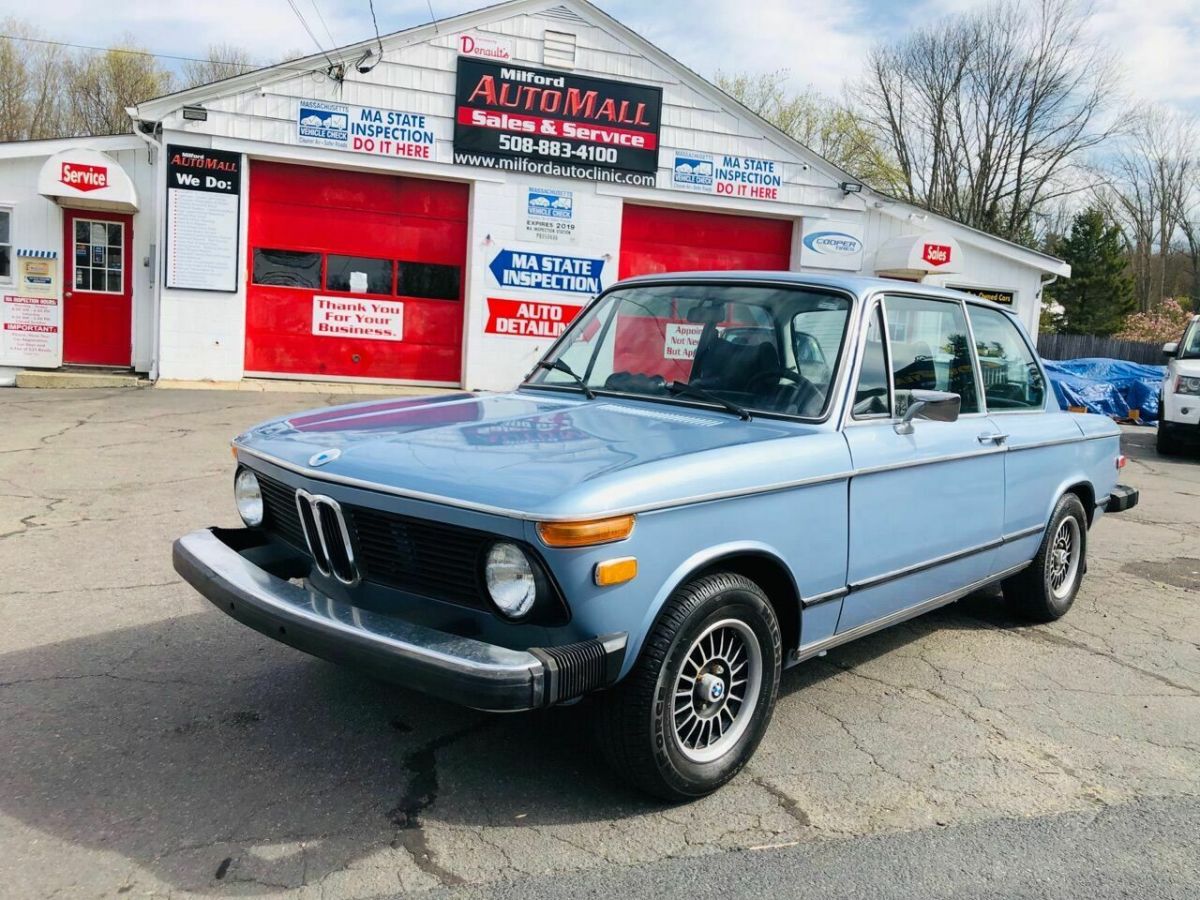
[
  {"x": 680, "y": 387},
  {"x": 559, "y": 366}
]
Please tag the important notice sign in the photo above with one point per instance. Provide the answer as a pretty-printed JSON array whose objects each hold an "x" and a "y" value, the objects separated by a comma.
[
  {"x": 538, "y": 114},
  {"x": 203, "y": 201},
  {"x": 527, "y": 318},
  {"x": 30, "y": 331}
]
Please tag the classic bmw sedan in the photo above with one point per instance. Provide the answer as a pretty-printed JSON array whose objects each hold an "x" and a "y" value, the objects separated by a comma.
[{"x": 707, "y": 479}]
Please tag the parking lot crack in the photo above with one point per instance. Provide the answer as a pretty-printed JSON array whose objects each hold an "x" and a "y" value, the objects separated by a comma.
[{"x": 787, "y": 803}]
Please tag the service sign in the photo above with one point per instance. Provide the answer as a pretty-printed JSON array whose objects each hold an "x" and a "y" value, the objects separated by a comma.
[
  {"x": 84, "y": 177},
  {"x": 828, "y": 244},
  {"x": 527, "y": 318},
  {"x": 30, "y": 331},
  {"x": 725, "y": 175},
  {"x": 365, "y": 129},
  {"x": 547, "y": 215},
  {"x": 547, "y": 272},
  {"x": 203, "y": 201},
  {"x": 554, "y": 123},
  {"x": 374, "y": 320}
]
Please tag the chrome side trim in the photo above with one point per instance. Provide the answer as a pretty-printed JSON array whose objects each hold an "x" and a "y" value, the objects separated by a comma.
[
  {"x": 1057, "y": 441},
  {"x": 942, "y": 560},
  {"x": 818, "y": 647},
  {"x": 835, "y": 594},
  {"x": 1024, "y": 533},
  {"x": 929, "y": 461}
]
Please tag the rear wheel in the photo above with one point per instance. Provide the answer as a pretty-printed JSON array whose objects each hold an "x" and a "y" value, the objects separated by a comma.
[
  {"x": 1045, "y": 591},
  {"x": 1165, "y": 442},
  {"x": 690, "y": 714}
]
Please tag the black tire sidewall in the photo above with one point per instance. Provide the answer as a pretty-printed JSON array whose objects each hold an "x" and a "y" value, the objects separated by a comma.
[
  {"x": 746, "y": 603},
  {"x": 1069, "y": 505}
]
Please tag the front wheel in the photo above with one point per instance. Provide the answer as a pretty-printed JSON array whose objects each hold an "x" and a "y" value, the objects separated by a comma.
[
  {"x": 1045, "y": 591},
  {"x": 1165, "y": 442},
  {"x": 690, "y": 714}
]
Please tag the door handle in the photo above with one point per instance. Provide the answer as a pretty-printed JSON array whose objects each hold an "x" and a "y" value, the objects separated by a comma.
[{"x": 990, "y": 438}]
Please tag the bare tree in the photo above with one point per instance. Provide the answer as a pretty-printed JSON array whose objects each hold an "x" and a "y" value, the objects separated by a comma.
[
  {"x": 989, "y": 114},
  {"x": 30, "y": 84},
  {"x": 221, "y": 61},
  {"x": 99, "y": 86},
  {"x": 822, "y": 124}
]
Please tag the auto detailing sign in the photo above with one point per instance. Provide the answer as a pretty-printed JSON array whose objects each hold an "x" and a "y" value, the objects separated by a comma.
[
  {"x": 576, "y": 125},
  {"x": 203, "y": 202},
  {"x": 544, "y": 272},
  {"x": 526, "y": 318},
  {"x": 83, "y": 177},
  {"x": 548, "y": 215},
  {"x": 726, "y": 175},
  {"x": 374, "y": 320},
  {"x": 936, "y": 254},
  {"x": 827, "y": 244},
  {"x": 364, "y": 129}
]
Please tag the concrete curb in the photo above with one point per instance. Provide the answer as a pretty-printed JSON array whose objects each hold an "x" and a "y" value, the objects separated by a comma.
[{"x": 64, "y": 380}]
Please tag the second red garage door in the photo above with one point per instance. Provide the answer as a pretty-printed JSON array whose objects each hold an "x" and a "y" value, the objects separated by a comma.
[
  {"x": 355, "y": 275},
  {"x": 654, "y": 239}
]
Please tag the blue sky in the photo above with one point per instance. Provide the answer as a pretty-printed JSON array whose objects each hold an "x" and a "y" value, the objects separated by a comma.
[{"x": 1157, "y": 42}]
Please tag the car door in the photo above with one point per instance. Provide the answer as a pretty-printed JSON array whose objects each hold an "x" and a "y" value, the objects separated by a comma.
[
  {"x": 925, "y": 508},
  {"x": 1041, "y": 441}
]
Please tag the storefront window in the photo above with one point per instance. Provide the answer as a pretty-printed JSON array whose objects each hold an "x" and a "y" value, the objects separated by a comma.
[
  {"x": 99, "y": 256},
  {"x": 358, "y": 274},
  {"x": 429, "y": 281},
  {"x": 5, "y": 244},
  {"x": 287, "y": 268}
]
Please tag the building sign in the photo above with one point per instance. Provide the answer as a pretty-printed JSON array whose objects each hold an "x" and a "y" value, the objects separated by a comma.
[
  {"x": 83, "y": 177},
  {"x": 1007, "y": 298},
  {"x": 364, "y": 129},
  {"x": 543, "y": 272},
  {"x": 828, "y": 244},
  {"x": 936, "y": 254},
  {"x": 680, "y": 340},
  {"x": 525, "y": 318},
  {"x": 485, "y": 46},
  {"x": 548, "y": 215},
  {"x": 552, "y": 123},
  {"x": 203, "y": 204},
  {"x": 374, "y": 320},
  {"x": 30, "y": 331},
  {"x": 37, "y": 273},
  {"x": 726, "y": 175}
]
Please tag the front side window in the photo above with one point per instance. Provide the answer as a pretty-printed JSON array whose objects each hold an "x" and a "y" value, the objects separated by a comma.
[
  {"x": 871, "y": 394},
  {"x": 772, "y": 349},
  {"x": 1011, "y": 376},
  {"x": 358, "y": 274},
  {"x": 287, "y": 268},
  {"x": 930, "y": 350},
  {"x": 99, "y": 256},
  {"x": 5, "y": 244},
  {"x": 1189, "y": 347}
]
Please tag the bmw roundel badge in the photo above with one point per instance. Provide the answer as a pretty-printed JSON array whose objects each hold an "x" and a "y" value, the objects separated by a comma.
[{"x": 319, "y": 459}]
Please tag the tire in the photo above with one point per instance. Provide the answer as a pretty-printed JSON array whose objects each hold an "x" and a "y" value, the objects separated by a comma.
[
  {"x": 1165, "y": 443},
  {"x": 1045, "y": 591},
  {"x": 728, "y": 619}
]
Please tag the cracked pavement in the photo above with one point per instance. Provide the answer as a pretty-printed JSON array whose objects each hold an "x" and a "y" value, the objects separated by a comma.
[{"x": 155, "y": 748}]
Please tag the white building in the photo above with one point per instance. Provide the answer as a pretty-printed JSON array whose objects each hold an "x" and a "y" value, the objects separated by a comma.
[{"x": 433, "y": 214}]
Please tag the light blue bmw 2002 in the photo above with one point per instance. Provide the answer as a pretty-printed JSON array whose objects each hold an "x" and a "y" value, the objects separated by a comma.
[{"x": 707, "y": 479}]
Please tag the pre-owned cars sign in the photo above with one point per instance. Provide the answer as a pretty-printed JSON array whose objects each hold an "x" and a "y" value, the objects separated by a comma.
[{"x": 576, "y": 125}]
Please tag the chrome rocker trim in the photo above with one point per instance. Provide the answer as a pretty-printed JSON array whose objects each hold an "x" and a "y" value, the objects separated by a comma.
[{"x": 461, "y": 670}]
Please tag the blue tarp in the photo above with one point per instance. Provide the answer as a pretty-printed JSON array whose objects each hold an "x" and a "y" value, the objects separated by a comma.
[{"x": 1108, "y": 387}]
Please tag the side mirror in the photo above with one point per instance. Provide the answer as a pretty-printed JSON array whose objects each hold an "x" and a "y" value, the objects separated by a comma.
[
  {"x": 1170, "y": 348},
  {"x": 936, "y": 406}
]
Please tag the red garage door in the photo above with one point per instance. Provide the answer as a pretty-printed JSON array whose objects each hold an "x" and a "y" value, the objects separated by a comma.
[
  {"x": 677, "y": 240},
  {"x": 354, "y": 274}
]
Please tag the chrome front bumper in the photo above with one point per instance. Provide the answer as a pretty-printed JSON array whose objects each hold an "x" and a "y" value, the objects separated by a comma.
[{"x": 461, "y": 670}]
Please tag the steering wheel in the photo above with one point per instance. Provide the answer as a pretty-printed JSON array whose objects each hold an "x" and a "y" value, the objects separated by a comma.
[{"x": 806, "y": 391}]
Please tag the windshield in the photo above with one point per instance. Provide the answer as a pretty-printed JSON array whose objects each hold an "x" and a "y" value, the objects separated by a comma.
[
  {"x": 746, "y": 348},
  {"x": 1190, "y": 347}
]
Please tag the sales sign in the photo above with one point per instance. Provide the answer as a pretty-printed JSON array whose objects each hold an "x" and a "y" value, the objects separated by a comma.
[
  {"x": 364, "y": 129},
  {"x": 203, "y": 202},
  {"x": 544, "y": 272},
  {"x": 726, "y": 175},
  {"x": 526, "y": 318},
  {"x": 578, "y": 127}
]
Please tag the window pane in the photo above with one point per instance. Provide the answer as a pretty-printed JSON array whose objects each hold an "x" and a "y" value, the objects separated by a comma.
[
  {"x": 81, "y": 231},
  {"x": 1011, "y": 377},
  {"x": 98, "y": 233},
  {"x": 114, "y": 257},
  {"x": 287, "y": 268},
  {"x": 99, "y": 257},
  {"x": 114, "y": 282},
  {"x": 359, "y": 274},
  {"x": 871, "y": 395},
  {"x": 428, "y": 280},
  {"x": 83, "y": 279},
  {"x": 115, "y": 232},
  {"x": 5, "y": 262},
  {"x": 5, "y": 217},
  {"x": 930, "y": 352}
]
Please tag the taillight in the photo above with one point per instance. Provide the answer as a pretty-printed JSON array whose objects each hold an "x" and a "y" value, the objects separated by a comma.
[{"x": 1121, "y": 460}]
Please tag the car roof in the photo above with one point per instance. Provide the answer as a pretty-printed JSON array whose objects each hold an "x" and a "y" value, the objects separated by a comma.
[{"x": 860, "y": 285}]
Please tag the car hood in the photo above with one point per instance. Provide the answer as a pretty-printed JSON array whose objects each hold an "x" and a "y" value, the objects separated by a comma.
[{"x": 532, "y": 453}]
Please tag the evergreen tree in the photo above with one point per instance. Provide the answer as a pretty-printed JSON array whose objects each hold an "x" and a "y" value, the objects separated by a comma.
[{"x": 1099, "y": 294}]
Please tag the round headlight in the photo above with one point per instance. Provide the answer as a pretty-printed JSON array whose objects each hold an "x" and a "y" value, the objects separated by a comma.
[
  {"x": 510, "y": 580},
  {"x": 248, "y": 497}
]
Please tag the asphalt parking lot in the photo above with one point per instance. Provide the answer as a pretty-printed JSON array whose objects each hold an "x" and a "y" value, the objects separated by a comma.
[{"x": 153, "y": 747}]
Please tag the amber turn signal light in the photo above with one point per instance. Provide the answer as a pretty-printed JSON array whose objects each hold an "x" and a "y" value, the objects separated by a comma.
[
  {"x": 585, "y": 534},
  {"x": 616, "y": 571}
]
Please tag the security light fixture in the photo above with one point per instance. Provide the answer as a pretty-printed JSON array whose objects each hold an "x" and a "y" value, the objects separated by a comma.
[
  {"x": 195, "y": 113},
  {"x": 850, "y": 187}
]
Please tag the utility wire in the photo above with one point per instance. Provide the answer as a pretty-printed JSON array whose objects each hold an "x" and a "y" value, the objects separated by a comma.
[
  {"x": 375, "y": 22},
  {"x": 432, "y": 17},
  {"x": 328, "y": 33},
  {"x": 304, "y": 23}
]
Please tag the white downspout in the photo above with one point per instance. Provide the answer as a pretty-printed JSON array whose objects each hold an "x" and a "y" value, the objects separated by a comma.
[{"x": 156, "y": 151}]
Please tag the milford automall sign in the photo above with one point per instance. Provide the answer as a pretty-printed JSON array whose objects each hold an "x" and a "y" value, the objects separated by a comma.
[
  {"x": 83, "y": 177},
  {"x": 567, "y": 125}
]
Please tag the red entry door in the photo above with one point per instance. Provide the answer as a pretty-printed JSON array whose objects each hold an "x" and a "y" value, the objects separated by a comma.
[{"x": 97, "y": 289}]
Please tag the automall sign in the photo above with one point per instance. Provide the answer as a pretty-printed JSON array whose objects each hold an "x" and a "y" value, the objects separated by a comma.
[
  {"x": 578, "y": 127},
  {"x": 545, "y": 272},
  {"x": 364, "y": 129},
  {"x": 726, "y": 175},
  {"x": 84, "y": 177},
  {"x": 526, "y": 318}
]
